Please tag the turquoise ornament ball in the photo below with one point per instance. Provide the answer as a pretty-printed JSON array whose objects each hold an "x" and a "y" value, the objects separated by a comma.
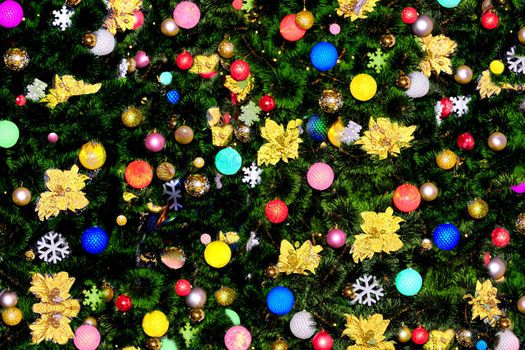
[
  {"x": 449, "y": 3},
  {"x": 165, "y": 78},
  {"x": 9, "y": 133},
  {"x": 409, "y": 282},
  {"x": 228, "y": 161}
]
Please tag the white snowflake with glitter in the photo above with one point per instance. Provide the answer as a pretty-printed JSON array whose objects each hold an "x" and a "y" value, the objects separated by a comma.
[
  {"x": 36, "y": 90},
  {"x": 250, "y": 113},
  {"x": 515, "y": 63},
  {"x": 253, "y": 241},
  {"x": 63, "y": 17},
  {"x": 460, "y": 105},
  {"x": 252, "y": 175},
  {"x": 367, "y": 290},
  {"x": 351, "y": 133},
  {"x": 52, "y": 247},
  {"x": 172, "y": 189},
  {"x": 122, "y": 69}
]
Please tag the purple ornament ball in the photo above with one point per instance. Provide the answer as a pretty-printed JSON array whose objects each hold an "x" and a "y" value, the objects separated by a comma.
[
  {"x": 336, "y": 238},
  {"x": 154, "y": 142},
  {"x": 11, "y": 14}
]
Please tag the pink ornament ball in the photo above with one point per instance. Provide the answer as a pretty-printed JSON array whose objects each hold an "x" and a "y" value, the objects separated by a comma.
[
  {"x": 141, "y": 59},
  {"x": 87, "y": 337},
  {"x": 205, "y": 239},
  {"x": 237, "y": 4},
  {"x": 186, "y": 14},
  {"x": 237, "y": 338},
  {"x": 139, "y": 19},
  {"x": 52, "y": 137},
  {"x": 11, "y": 14},
  {"x": 154, "y": 142},
  {"x": 334, "y": 29},
  {"x": 289, "y": 29},
  {"x": 320, "y": 176},
  {"x": 336, "y": 238}
]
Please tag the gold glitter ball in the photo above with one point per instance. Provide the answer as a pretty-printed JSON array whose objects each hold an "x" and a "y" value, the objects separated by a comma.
[
  {"x": 16, "y": 59},
  {"x": 165, "y": 171},
  {"x": 132, "y": 117},
  {"x": 478, "y": 208},
  {"x": 197, "y": 185},
  {"x": 446, "y": 159},
  {"x": 226, "y": 49},
  {"x": 122, "y": 220},
  {"x": 225, "y": 296},
  {"x": 304, "y": 19},
  {"x": 280, "y": 345},
  {"x": 330, "y": 101}
]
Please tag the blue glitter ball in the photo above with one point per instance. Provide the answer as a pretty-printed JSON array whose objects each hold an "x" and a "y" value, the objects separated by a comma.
[
  {"x": 173, "y": 96},
  {"x": 446, "y": 236},
  {"x": 323, "y": 56},
  {"x": 165, "y": 78},
  {"x": 280, "y": 300},
  {"x": 228, "y": 161},
  {"x": 94, "y": 240},
  {"x": 482, "y": 345},
  {"x": 449, "y": 3},
  {"x": 317, "y": 127},
  {"x": 409, "y": 282}
]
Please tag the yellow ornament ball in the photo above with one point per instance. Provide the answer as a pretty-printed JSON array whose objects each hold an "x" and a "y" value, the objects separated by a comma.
[
  {"x": 132, "y": 117},
  {"x": 155, "y": 323},
  {"x": 363, "y": 87},
  {"x": 225, "y": 296},
  {"x": 477, "y": 208},
  {"x": 198, "y": 162},
  {"x": 92, "y": 155},
  {"x": 217, "y": 254},
  {"x": 122, "y": 220},
  {"x": 335, "y": 131},
  {"x": 11, "y": 316},
  {"x": 446, "y": 159},
  {"x": 496, "y": 67}
]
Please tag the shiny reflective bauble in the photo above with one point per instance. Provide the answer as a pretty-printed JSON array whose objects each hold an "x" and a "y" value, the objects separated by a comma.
[
  {"x": 271, "y": 271},
  {"x": 428, "y": 191},
  {"x": 463, "y": 74},
  {"x": 169, "y": 27},
  {"x": 497, "y": 141},
  {"x": 123, "y": 303},
  {"x": 242, "y": 132},
  {"x": 89, "y": 40},
  {"x": 197, "y": 315},
  {"x": 504, "y": 323},
  {"x": 184, "y": 135},
  {"x": 91, "y": 321},
  {"x": 520, "y": 223},
  {"x": 465, "y": 338},
  {"x": 226, "y": 49},
  {"x": 521, "y": 304},
  {"x": 8, "y": 298},
  {"x": 422, "y": 26},
  {"x": 196, "y": 298},
  {"x": 404, "y": 334},
  {"x": 21, "y": 196},
  {"x": 348, "y": 291},
  {"x": 387, "y": 41},
  {"x": 403, "y": 82},
  {"x": 304, "y": 19},
  {"x": 92, "y": 155},
  {"x": 466, "y": 141},
  {"x": 426, "y": 244},
  {"x": 121, "y": 220},
  {"x": 496, "y": 268},
  {"x": 16, "y": 59},
  {"x": 521, "y": 35}
]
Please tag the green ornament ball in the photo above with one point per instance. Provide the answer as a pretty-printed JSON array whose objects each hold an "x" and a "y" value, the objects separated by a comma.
[{"x": 9, "y": 133}]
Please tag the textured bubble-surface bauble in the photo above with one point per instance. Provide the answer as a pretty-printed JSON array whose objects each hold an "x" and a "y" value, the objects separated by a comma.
[
  {"x": 94, "y": 240},
  {"x": 8, "y": 298},
  {"x": 302, "y": 325},
  {"x": 154, "y": 142},
  {"x": 404, "y": 334},
  {"x": 92, "y": 155},
  {"x": 304, "y": 19},
  {"x": 165, "y": 78},
  {"x": 497, "y": 141},
  {"x": 423, "y": 26},
  {"x": 87, "y": 337},
  {"x": 184, "y": 135},
  {"x": 466, "y": 141},
  {"x": 446, "y": 159},
  {"x": 446, "y": 236},
  {"x": 496, "y": 268},
  {"x": 334, "y": 29},
  {"x": 428, "y": 191},
  {"x": 317, "y": 127},
  {"x": 237, "y": 338},
  {"x": 406, "y": 198},
  {"x": 336, "y": 238},
  {"x": 173, "y": 97},
  {"x": 165, "y": 171},
  {"x": 228, "y": 161},
  {"x": 419, "y": 85},
  {"x": 196, "y": 298},
  {"x": 197, "y": 185},
  {"x": 11, "y": 14},
  {"x": 276, "y": 211},
  {"x": 16, "y": 59},
  {"x": 123, "y": 303},
  {"x": 289, "y": 29},
  {"x": 330, "y": 101},
  {"x": 9, "y": 134},
  {"x": 182, "y": 288},
  {"x": 186, "y": 14},
  {"x": 21, "y": 196},
  {"x": 500, "y": 237},
  {"x": 477, "y": 208},
  {"x": 420, "y": 335},
  {"x": 138, "y": 174},
  {"x": 323, "y": 56},
  {"x": 507, "y": 341},
  {"x": 132, "y": 117},
  {"x": 173, "y": 257},
  {"x": 409, "y": 15},
  {"x": 105, "y": 43},
  {"x": 363, "y": 87},
  {"x": 217, "y": 254},
  {"x": 280, "y": 300},
  {"x": 463, "y": 74},
  {"x": 155, "y": 323},
  {"x": 320, "y": 176},
  {"x": 168, "y": 27},
  {"x": 449, "y": 3},
  {"x": 409, "y": 282},
  {"x": 322, "y": 341}
]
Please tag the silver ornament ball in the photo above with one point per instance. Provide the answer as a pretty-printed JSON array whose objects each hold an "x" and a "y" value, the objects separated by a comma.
[
  {"x": 419, "y": 85},
  {"x": 302, "y": 325},
  {"x": 105, "y": 43},
  {"x": 197, "y": 298},
  {"x": 423, "y": 26},
  {"x": 496, "y": 268}
]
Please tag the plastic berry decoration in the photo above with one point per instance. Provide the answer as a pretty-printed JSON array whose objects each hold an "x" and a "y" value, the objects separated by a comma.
[
  {"x": 123, "y": 303},
  {"x": 240, "y": 70},
  {"x": 20, "y": 100},
  {"x": 500, "y": 237},
  {"x": 420, "y": 335},
  {"x": 409, "y": 15},
  {"x": 266, "y": 103},
  {"x": 182, "y": 288},
  {"x": 489, "y": 20},
  {"x": 184, "y": 60},
  {"x": 466, "y": 141}
]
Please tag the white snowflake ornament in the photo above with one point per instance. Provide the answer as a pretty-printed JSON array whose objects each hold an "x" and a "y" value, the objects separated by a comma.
[
  {"x": 252, "y": 175},
  {"x": 36, "y": 90},
  {"x": 515, "y": 63},
  {"x": 52, "y": 247},
  {"x": 367, "y": 293},
  {"x": 351, "y": 133},
  {"x": 172, "y": 189},
  {"x": 460, "y": 105},
  {"x": 63, "y": 17}
]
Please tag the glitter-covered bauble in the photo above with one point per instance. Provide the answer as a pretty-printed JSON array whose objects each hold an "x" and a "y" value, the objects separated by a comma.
[
  {"x": 12, "y": 316},
  {"x": 197, "y": 185},
  {"x": 280, "y": 345},
  {"x": 105, "y": 43},
  {"x": 271, "y": 271},
  {"x": 182, "y": 288},
  {"x": 165, "y": 171},
  {"x": 465, "y": 338},
  {"x": 500, "y": 237},
  {"x": 89, "y": 40},
  {"x": 8, "y": 298},
  {"x": 422, "y": 26},
  {"x": 419, "y": 85},
  {"x": 428, "y": 191},
  {"x": 520, "y": 223},
  {"x": 304, "y": 19},
  {"x": 123, "y": 303},
  {"x": 496, "y": 268},
  {"x": 132, "y": 117},
  {"x": 331, "y": 101},
  {"x": 242, "y": 132},
  {"x": 463, "y": 74},
  {"x": 168, "y": 27},
  {"x": 404, "y": 334},
  {"x": 225, "y": 296},
  {"x": 276, "y": 211},
  {"x": 489, "y": 20},
  {"x": 173, "y": 257},
  {"x": 387, "y": 41},
  {"x": 186, "y": 14},
  {"x": 477, "y": 208},
  {"x": 226, "y": 49},
  {"x": 16, "y": 59},
  {"x": 240, "y": 70},
  {"x": 197, "y": 315},
  {"x": 302, "y": 325},
  {"x": 497, "y": 141},
  {"x": 21, "y": 196},
  {"x": 196, "y": 298},
  {"x": 184, "y": 60},
  {"x": 446, "y": 159},
  {"x": 409, "y": 15}
]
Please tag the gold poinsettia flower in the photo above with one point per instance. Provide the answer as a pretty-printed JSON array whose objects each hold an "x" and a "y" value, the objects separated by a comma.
[
  {"x": 306, "y": 258},
  {"x": 484, "y": 302},
  {"x": 440, "y": 340},
  {"x": 368, "y": 334},
  {"x": 437, "y": 51},
  {"x": 355, "y": 8},
  {"x": 385, "y": 138},
  {"x": 282, "y": 144},
  {"x": 379, "y": 235},
  {"x": 205, "y": 65},
  {"x": 241, "y": 89},
  {"x": 64, "y": 192},
  {"x": 66, "y": 86},
  {"x": 230, "y": 237},
  {"x": 121, "y": 15}
]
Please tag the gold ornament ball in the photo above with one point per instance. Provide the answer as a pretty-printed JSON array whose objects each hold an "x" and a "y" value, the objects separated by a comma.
[
  {"x": 348, "y": 291},
  {"x": 184, "y": 135},
  {"x": 331, "y": 101},
  {"x": 89, "y": 40},
  {"x": 107, "y": 293},
  {"x": 225, "y": 296},
  {"x": 446, "y": 159},
  {"x": 16, "y": 59},
  {"x": 72, "y": 3},
  {"x": 304, "y": 19},
  {"x": 521, "y": 35},
  {"x": 29, "y": 255},
  {"x": 497, "y": 141},
  {"x": 21, "y": 196},
  {"x": 404, "y": 334},
  {"x": 521, "y": 304},
  {"x": 520, "y": 223},
  {"x": 477, "y": 208},
  {"x": 165, "y": 171},
  {"x": 197, "y": 315},
  {"x": 91, "y": 321},
  {"x": 197, "y": 185},
  {"x": 153, "y": 344},
  {"x": 226, "y": 49},
  {"x": 132, "y": 117},
  {"x": 11, "y": 316},
  {"x": 426, "y": 244},
  {"x": 92, "y": 155},
  {"x": 279, "y": 345},
  {"x": 428, "y": 191},
  {"x": 242, "y": 132},
  {"x": 403, "y": 82},
  {"x": 271, "y": 271},
  {"x": 132, "y": 64},
  {"x": 504, "y": 323},
  {"x": 122, "y": 220},
  {"x": 168, "y": 27},
  {"x": 465, "y": 338},
  {"x": 387, "y": 41},
  {"x": 463, "y": 74},
  {"x": 172, "y": 123},
  {"x": 198, "y": 162}
]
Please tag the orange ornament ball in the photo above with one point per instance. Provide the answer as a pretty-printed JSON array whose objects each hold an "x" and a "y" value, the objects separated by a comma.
[
  {"x": 289, "y": 28},
  {"x": 407, "y": 198},
  {"x": 138, "y": 174}
]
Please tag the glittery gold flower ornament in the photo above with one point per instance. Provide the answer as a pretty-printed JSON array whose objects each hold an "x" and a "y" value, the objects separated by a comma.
[
  {"x": 368, "y": 334},
  {"x": 440, "y": 340},
  {"x": 121, "y": 15},
  {"x": 437, "y": 51},
  {"x": 241, "y": 89},
  {"x": 56, "y": 309},
  {"x": 66, "y": 86},
  {"x": 64, "y": 192},
  {"x": 485, "y": 302},
  {"x": 281, "y": 144},
  {"x": 379, "y": 235},
  {"x": 205, "y": 66},
  {"x": 300, "y": 260},
  {"x": 229, "y": 238},
  {"x": 385, "y": 138},
  {"x": 355, "y": 8}
]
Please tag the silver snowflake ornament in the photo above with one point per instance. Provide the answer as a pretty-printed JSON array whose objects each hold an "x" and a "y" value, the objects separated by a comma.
[
  {"x": 172, "y": 189},
  {"x": 52, "y": 247},
  {"x": 515, "y": 63},
  {"x": 250, "y": 113},
  {"x": 460, "y": 105},
  {"x": 36, "y": 90},
  {"x": 63, "y": 17},
  {"x": 252, "y": 175},
  {"x": 351, "y": 133},
  {"x": 367, "y": 290}
]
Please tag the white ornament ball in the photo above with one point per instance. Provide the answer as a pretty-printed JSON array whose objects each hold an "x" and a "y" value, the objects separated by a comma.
[
  {"x": 105, "y": 43},
  {"x": 419, "y": 85},
  {"x": 302, "y": 325},
  {"x": 507, "y": 341}
]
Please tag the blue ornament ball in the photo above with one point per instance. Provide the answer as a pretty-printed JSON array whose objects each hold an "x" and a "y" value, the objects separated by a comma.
[
  {"x": 228, "y": 161},
  {"x": 409, "y": 282},
  {"x": 94, "y": 240},
  {"x": 449, "y": 3},
  {"x": 446, "y": 236},
  {"x": 165, "y": 78},
  {"x": 317, "y": 127},
  {"x": 482, "y": 345},
  {"x": 280, "y": 300},
  {"x": 173, "y": 96},
  {"x": 323, "y": 56}
]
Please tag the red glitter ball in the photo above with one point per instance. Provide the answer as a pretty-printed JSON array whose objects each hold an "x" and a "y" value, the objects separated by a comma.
[
  {"x": 489, "y": 20},
  {"x": 182, "y": 288},
  {"x": 466, "y": 141},
  {"x": 276, "y": 211},
  {"x": 266, "y": 103},
  {"x": 409, "y": 15},
  {"x": 240, "y": 70},
  {"x": 184, "y": 60},
  {"x": 420, "y": 335},
  {"x": 500, "y": 237}
]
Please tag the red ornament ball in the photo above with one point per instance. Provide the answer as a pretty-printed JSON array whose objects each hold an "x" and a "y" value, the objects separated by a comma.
[
  {"x": 322, "y": 341},
  {"x": 407, "y": 198},
  {"x": 182, "y": 288},
  {"x": 184, "y": 60},
  {"x": 489, "y": 20},
  {"x": 486, "y": 258},
  {"x": 500, "y": 237},
  {"x": 409, "y": 15},
  {"x": 266, "y": 103},
  {"x": 240, "y": 70},
  {"x": 446, "y": 107},
  {"x": 289, "y": 28},
  {"x": 138, "y": 174},
  {"x": 20, "y": 100},
  {"x": 420, "y": 335},
  {"x": 276, "y": 211},
  {"x": 123, "y": 303},
  {"x": 466, "y": 141}
]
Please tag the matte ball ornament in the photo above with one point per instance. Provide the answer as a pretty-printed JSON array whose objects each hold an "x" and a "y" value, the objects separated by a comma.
[
  {"x": 336, "y": 238},
  {"x": 520, "y": 223},
  {"x": 165, "y": 78},
  {"x": 154, "y": 142},
  {"x": 197, "y": 185},
  {"x": 184, "y": 60},
  {"x": 21, "y": 196},
  {"x": 184, "y": 135},
  {"x": 497, "y": 67},
  {"x": 404, "y": 334},
  {"x": 387, "y": 41},
  {"x": 482, "y": 345},
  {"x": 280, "y": 300},
  {"x": 240, "y": 70},
  {"x": 446, "y": 236},
  {"x": 420, "y": 335},
  {"x": 196, "y": 298},
  {"x": 197, "y": 315},
  {"x": 423, "y": 26},
  {"x": 276, "y": 211},
  {"x": 409, "y": 282},
  {"x": 477, "y": 208},
  {"x": 428, "y": 191},
  {"x": 419, "y": 85},
  {"x": 132, "y": 117},
  {"x": 497, "y": 141},
  {"x": 489, "y": 20},
  {"x": 11, "y": 14},
  {"x": 409, "y": 15},
  {"x": 330, "y": 101},
  {"x": 500, "y": 237},
  {"x": 94, "y": 240},
  {"x": 302, "y": 325},
  {"x": 267, "y": 103},
  {"x": 121, "y": 220},
  {"x": 173, "y": 97},
  {"x": 12, "y": 316},
  {"x": 142, "y": 59},
  {"x": 8, "y": 298},
  {"x": 52, "y": 137},
  {"x": 463, "y": 74},
  {"x": 87, "y": 337},
  {"x": 228, "y": 161},
  {"x": 507, "y": 341},
  {"x": 363, "y": 87},
  {"x": 123, "y": 303},
  {"x": 465, "y": 337},
  {"x": 217, "y": 254},
  {"x": 92, "y": 155},
  {"x": 225, "y": 296},
  {"x": 182, "y": 288},
  {"x": 496, "y": 268},
  {"x": 271, "y": 271},
  {"x": 322, "y": 341},
  {"x": 406, "y": 198},
  {"x": 446, "y": 159},
  {"x": 155, "y": 323},
  {"x": 304, "y": 19},
  {"x": 323, "y": 56},
  {"x": 104, "y": 44},
  {"x": 320, "y": 176},
  {"x": 138, "y": 174},
  {"x": 521, "y": 304},
  {"x": 279, "y": 345},
  {"x": 20, "y": 100},
  {"x": 403, "y": 82},
  {"x": 16, "y": 59},
  {"x": 334, "y": 29},
  {"x": 449, "y": 3},
  {"x": 521, "y": 35},
  {"x": 317, "y": 127},
  {"x": 165, "y": 171},
  {"x": 466, "y": 141},
  {"x": 186, "y": 14},
  {"x": 226, "y": 49},
  {"x": 237, "y": 338},
  {"x": 168, "y": 27},
  {"x": 289, "y": 29}
]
